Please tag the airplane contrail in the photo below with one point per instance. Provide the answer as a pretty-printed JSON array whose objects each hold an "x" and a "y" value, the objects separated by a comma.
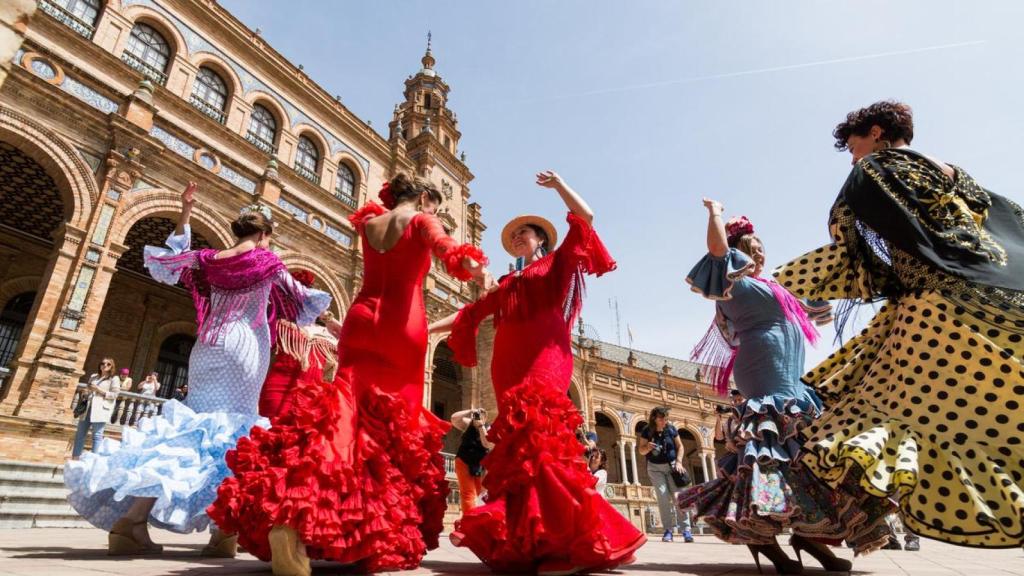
[{"x": 782, "y": 68}]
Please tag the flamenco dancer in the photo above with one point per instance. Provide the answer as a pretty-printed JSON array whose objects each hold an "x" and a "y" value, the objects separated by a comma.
[
  {"x": 924, "y": 404},
  {"x": 166, "y": 472},
  {"x": 301, "y": 354},
  {"x": 352, "y": 470},
  {"x": 542, "y": 513},
  {"x": 758, "y": 339}
]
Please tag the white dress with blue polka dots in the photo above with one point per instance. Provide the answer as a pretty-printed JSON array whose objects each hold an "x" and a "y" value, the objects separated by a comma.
[{"x": 178, "y": 457}]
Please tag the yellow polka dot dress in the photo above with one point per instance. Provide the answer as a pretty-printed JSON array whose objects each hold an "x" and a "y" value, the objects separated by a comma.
[{"x": 926, "y": 400}]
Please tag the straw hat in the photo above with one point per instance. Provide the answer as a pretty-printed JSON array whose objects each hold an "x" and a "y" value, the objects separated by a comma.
[{"x": 519, "y": 221}]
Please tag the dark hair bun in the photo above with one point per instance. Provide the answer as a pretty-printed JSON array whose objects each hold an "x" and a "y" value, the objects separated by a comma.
[
  {"x": 404, "y": 187},
  {"x": 251, "y": 223}
]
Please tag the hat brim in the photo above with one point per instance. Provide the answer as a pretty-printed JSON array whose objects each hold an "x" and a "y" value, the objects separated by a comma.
[{"x": 520, "y": 221}]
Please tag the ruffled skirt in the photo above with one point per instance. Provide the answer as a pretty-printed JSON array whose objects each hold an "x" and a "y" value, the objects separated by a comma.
[
  {"x": 542, "y": 509},
  {"x": 925, "y": 407},
  {"x": 763, "y": 489},
  {"x": 177, "y": 458},
  {"x": 371, "y": 491}
]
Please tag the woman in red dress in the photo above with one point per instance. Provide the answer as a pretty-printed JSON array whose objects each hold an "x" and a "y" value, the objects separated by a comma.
[
  {"x": 542, "y": 512},
  {"x": 352, "y": 471},
  {"x": 301, "y": 354}
]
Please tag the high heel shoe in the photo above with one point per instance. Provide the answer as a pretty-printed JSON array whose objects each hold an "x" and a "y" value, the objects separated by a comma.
[
  {"x": 821, "y": 553},
  {"x": 288, "y": 553},
  {"x": 783, "y": 564},
  {"x": 122, "y": 540},
  {"x": 221, "y": 545}
]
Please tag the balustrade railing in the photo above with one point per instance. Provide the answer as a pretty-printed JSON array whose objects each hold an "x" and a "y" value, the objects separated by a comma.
[
  {"x": 148, "y": 71},
  {"x": 60, "y": 14},
  {"x": 204, "y": 107},
  {"x": 129, "y": 407}
]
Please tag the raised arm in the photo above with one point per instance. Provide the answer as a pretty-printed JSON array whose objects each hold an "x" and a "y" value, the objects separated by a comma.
[
  {"x": 718, "y": 244},
  {"x": 573, "y": 201},
  {"x": 187, "y": 201},
  {"x": 462, "y": 419}
]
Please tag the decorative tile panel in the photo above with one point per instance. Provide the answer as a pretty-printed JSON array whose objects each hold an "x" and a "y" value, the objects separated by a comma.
[
  {"x": 88, "y": 95},
  {"x": 43, "y": 69},
  {"x": 237, "y": 179},
  {"x": 99, "y": 235},
  {"x": 293, "y": 209},
  {"x": 338, "y": 235},
  {"x": 176, "y": 144},
  {"x": 81, "y": 291}
]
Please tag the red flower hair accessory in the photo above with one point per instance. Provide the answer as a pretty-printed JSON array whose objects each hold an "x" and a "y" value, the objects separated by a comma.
[
  {"x": 736, "y": 228},
  {"x": 387, "y": 199},
  {"x": 304, "y": 277}
]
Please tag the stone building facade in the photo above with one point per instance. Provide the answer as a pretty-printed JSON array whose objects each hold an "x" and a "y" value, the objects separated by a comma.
[{"x": 109, "y": 108}]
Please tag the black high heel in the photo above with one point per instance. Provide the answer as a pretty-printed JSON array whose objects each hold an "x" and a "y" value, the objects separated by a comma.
[
  {"x": 821, "y": 553},
  {"x": 783, "y": 564}
]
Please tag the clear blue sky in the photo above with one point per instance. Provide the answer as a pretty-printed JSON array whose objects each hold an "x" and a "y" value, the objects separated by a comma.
[{"x": 644, "y": 107}]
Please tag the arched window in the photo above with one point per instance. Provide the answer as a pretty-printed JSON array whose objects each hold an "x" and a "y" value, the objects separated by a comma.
[
  {"x": 79, "y": 15},
  {"x": 12, "y": 321},
  {"x": 148, "y": 52},
  {"x": 172, "y": 363},
  {"x": 210, "y": 94},
  {"x": 263, "y": 129},
  {"x": 345, "y": 185},
  {"x": 307, "y": 158}
]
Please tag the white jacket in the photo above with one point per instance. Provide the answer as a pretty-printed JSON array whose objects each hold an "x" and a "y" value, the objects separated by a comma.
[{"x": 101, "y": 406}]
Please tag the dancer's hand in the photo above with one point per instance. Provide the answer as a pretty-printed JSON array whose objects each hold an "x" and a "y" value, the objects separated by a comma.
[
  {"x": 188, "y": 195},
  {"x": 549, "y": 179},
  {"x": 714, "y": 207},
  {"x": 488, "y": 283}
]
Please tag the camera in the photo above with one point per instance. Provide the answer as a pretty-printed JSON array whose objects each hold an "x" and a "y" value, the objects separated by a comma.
[
  {"x": 721, "y": 409},
  {"x": 656, "y": 449},
  {"x": 475, "y": 414}
]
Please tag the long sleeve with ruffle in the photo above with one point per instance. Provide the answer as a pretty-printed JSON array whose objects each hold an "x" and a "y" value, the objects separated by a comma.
[
  {"x": 582, "y": 250},
  {"x": 450, "y": 252},
  {"x": 462, "y": 339},
  {"x": 166, "y": 265},
  {"x": 300, "y": 305}
]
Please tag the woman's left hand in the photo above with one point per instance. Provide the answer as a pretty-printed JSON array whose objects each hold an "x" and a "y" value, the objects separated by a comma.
[
  {"x": 549, "y": 179},
  {"x": 678, "y": 467}
]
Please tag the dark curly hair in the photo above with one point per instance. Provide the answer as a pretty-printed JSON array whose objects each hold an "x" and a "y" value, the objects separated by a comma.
[{"x": 896, "y": 120}]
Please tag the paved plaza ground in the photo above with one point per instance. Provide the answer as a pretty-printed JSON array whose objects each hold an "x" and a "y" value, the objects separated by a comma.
[{"x": 82, "y": 552}]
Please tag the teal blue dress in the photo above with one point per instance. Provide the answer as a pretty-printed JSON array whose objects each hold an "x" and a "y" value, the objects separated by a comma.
[{"x": 762, "y": 489}]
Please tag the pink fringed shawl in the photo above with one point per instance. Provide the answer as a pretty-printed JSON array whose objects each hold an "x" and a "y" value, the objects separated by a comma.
[
  {"x": 718, "y": 348},
  {"x": 236, "y": 278}
]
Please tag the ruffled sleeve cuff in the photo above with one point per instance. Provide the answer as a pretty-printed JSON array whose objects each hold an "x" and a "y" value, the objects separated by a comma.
[
  {"x": 462, "y": 339},
  {"x": 313, "y": 304},
  {"x": 454, "y": 257},
  {"x": 165, "y": 265},
  {"x": 369, "y": 210},
  {"x": 587, "y": 248},
  {"x": 713, "y": 277}
]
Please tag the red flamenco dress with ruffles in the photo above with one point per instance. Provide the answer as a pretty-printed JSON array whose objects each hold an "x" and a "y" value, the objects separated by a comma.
[
  {"x": 542, "y": 512},
  {"x": 354, "y": 466}
]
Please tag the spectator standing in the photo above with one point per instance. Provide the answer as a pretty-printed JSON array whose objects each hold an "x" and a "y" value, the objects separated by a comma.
[{"x": 102, "y": 394}]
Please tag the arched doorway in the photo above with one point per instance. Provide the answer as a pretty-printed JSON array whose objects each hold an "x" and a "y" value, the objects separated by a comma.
[
  {"x": 136, "y": 306},
  {"x": 447, "y": 394},
  {"x": 12, "y": 322},
  {"x": 607, "y": 440},
  {"x": 32, "y": 210},
  {"x": 692, "y": 461},
  {"x": 172, "y": 363}
]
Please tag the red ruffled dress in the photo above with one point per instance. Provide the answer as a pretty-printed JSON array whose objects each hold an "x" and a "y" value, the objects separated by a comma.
[
  {"x": 354, "y": 466},
  {"x": 542, "y": 512},
  {"x": 300, "y": 356}
]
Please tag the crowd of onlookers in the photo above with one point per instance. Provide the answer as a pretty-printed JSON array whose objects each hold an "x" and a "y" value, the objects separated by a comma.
[{"x": 95, "y": 408}]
